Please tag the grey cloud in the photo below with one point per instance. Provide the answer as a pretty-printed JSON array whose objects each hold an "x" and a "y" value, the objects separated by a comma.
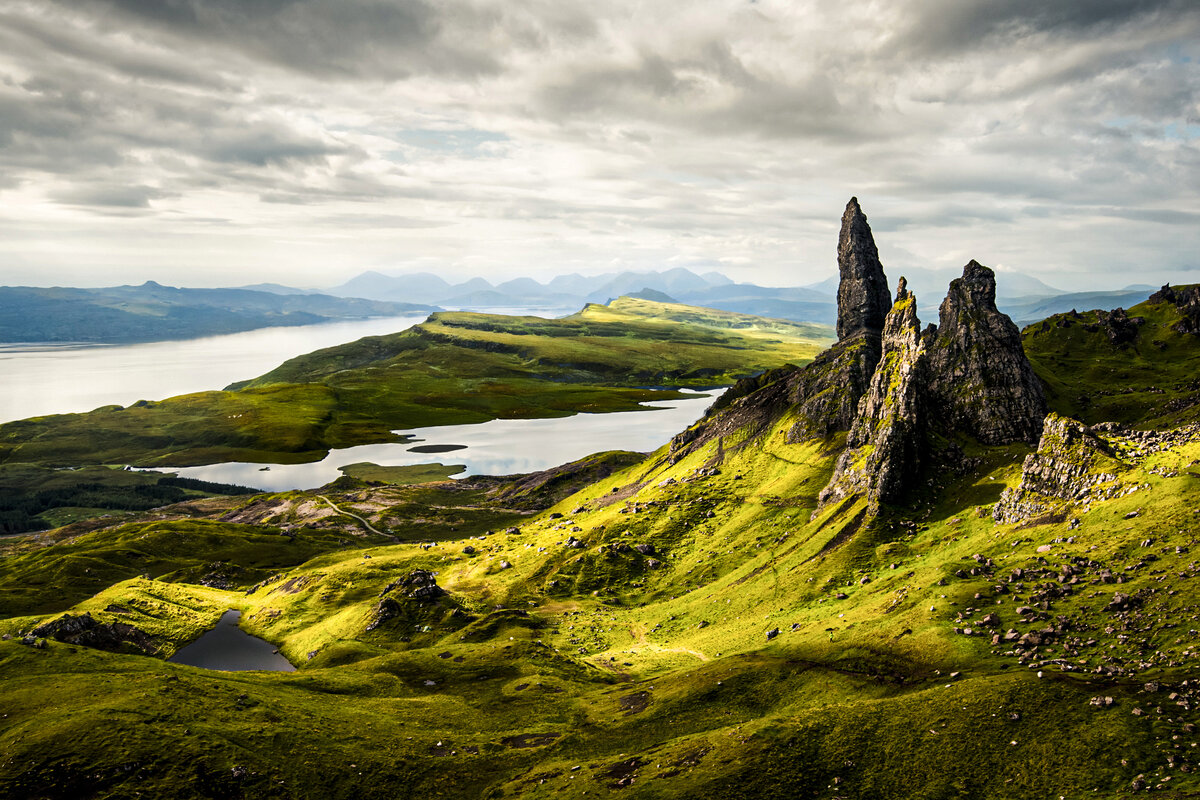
[
  {"x": 263, "y": 146},
  {"x": 1161, "y": 216},
  {"x": 37, "y": 39},
  {"x": 385, "y": 39},
  {"x": 945, "y": 26},
  {"x": 128, "y": 197},
  {"x": 625, "y": 128},
  {"x": 710, "y": 90}
]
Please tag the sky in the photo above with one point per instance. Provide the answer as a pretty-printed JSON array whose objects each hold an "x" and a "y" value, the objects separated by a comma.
[{"x": 228, "y": 142}]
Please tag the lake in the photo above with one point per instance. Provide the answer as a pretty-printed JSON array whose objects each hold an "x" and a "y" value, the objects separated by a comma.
[
  {"x": 58, "y": 379},
  {"x": 61, "y": 379},
  {"x": 227, "y": 647},
  {"x": 498, "y": 447}
]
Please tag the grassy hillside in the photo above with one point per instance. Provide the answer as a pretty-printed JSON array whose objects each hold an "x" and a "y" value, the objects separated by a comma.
[
  {"x": 455, "y": 368},
  {"x": 660, "y": 678},
  {"x": 37, "y": 498},
  {"x": 688, "y": 624},
  {"x": 1143, "y": 371}
]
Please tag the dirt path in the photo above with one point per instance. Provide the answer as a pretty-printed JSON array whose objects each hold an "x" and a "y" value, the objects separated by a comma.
[{"x": 366, "y": 524}]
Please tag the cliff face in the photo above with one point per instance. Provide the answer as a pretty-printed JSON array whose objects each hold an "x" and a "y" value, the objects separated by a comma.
[
  {"x": 884, "y": 446},
  {"x": 981, "y": 382}
]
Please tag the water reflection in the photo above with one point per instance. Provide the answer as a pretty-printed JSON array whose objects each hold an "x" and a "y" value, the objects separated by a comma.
[
  {"x": 499, "y": 447},
  {"x": 59, "y": 379},
  {"x": 229, "y": 648}
]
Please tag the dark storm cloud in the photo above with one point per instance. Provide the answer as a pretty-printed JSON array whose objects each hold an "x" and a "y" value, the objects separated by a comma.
[{"x": 944, "y": 26}]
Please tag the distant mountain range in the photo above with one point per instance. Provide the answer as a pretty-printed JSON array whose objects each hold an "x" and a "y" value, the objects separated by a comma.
[
  {"x": 1022, "y": 297},
  {"x": 152, "y": 312}
]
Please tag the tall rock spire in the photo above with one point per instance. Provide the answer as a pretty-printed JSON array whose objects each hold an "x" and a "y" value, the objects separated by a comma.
[
  {"x": 831, "y": 387},
  {"x": 863, "y": 299}
]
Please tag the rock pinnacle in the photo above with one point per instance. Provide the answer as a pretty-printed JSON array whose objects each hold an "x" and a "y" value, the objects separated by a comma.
[{"x": 863, "y": 297}]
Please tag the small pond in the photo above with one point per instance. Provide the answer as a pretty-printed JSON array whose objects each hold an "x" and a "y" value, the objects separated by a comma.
[{"x": 228, "y": 647}]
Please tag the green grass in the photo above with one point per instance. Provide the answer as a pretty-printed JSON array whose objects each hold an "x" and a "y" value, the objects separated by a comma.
[
  {"x": 36, "y": 498},
  {"x": 416, "y": 473},
  {"x": 555, "y": 671}
]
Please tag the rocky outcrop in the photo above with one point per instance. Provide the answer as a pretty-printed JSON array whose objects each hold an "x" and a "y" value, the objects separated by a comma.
[
  {"x": 884, "y": 445},
  {"x": 1187, "y": 300},
  {"x": 405, "y": 597},
  {"x": 863, "y": 299},
  {"x": 826, "y": 393},
  {"x": 1118, "y": 326},
  {"x": 1071, "y": 465},
  {"x": 888, "y": 384},
  {"x": 981, "y": 382},
  {"x": 420, "y": 584},
  {"x": 85, "y": 631}
]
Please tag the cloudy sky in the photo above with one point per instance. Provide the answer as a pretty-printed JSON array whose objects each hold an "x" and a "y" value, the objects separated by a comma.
[{"x": 224, "y": 142}]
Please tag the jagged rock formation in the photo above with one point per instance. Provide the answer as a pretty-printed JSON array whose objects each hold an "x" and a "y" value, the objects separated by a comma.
[
  {"x": 887, "y": 383},
  {"x": 883, "y": 448},
  {"x": 825, "y": 392},
  {"x": 863, "y": 299},
  {"x": 1071, "y": 465},
  {"x": 828, "y": 390},
  {"x": 981, "y": 382},
  {"x": 1187, "y": 300},
  {"x": 85, "y": 631}
]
